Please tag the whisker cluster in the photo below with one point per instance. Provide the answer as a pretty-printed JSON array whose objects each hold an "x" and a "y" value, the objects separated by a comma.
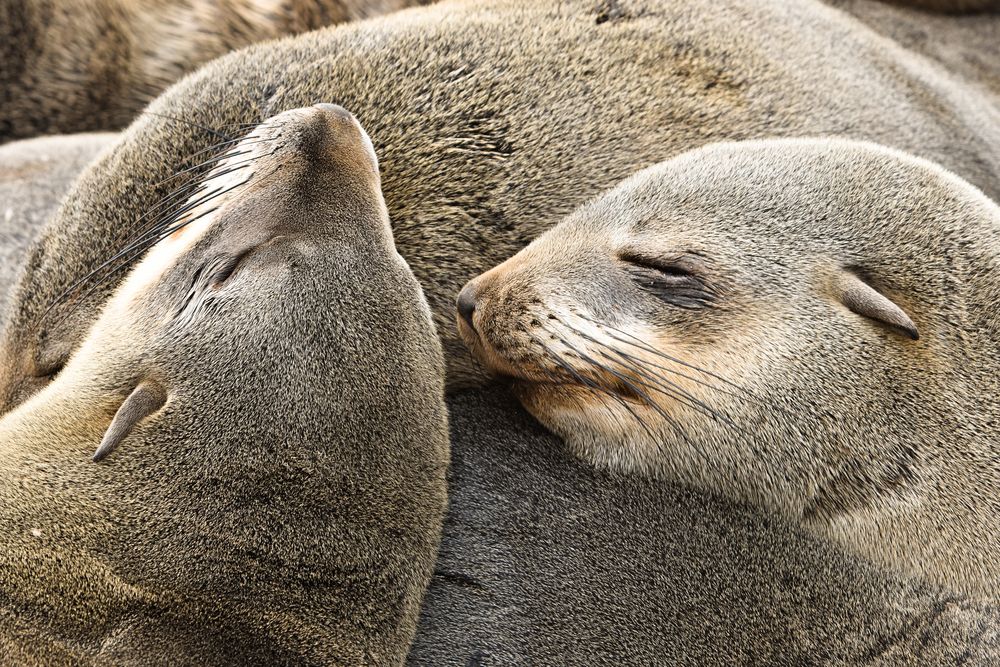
[
  {"x": 173, "y": 211},
  {"x": 618, "y": 373}
]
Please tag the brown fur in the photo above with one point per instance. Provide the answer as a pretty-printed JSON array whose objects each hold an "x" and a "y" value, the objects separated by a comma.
[
  {"x": 34, "y": 177},
  {"x": 697, "y": 580},
  {"x": 950, "y": 6},
  {"x": 285, "y": 515},
  {"x": 808, "y": 325},
  {"x": 94, "y": 64},
  {"x": 518, "y": 112},
  {"x": 965, "y": 46}
]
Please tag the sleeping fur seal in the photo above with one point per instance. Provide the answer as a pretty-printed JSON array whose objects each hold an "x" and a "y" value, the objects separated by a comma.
[
  {"x": 806, "y": 325},
  {"x": 523, "y": 572},
  {"x": 263, "y": 401},
  {"x": 503, "y": 118}
]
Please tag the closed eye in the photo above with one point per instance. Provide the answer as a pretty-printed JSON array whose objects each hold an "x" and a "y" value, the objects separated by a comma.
[
  {"x": 224, "y": 268},
  {"x": 673, "y": 281}
]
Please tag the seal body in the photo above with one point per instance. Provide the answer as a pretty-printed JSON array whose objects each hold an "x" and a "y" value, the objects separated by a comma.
[
  {"x": 284, "y": 514},
  {"x": 542, "y": 553},
  {"x": 34, "y": 177},
  {"x": 951, "y": 6},
  {"x": 94, "y": 64},
  {"x": 520, "y": 112},
  {"x": 965, "y": 46},
  {"x": 807, "y": 325}
]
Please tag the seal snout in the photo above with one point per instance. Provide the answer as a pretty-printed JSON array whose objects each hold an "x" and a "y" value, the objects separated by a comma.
[
  {"x": 335, "y": 110},
  {"x": 344, "y": 136}
]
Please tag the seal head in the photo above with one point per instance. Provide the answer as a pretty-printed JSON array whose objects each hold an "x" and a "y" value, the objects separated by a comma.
[
  {"x": 264, "y": 395},
  {"x": 808, "y": 325}
]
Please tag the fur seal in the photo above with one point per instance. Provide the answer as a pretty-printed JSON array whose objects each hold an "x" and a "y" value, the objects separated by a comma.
[
  {"x": 950, "y": 6},
  {"x": 264, "y": 394},
  {"x": 806, "y": 325},
  {"x": 500, "y": 130},
  {"x": 94, "y": 64},
  {"x": 34, "y": 177},
  {"x": 546, "y": 560},
  {"x": 697, "y": 581}
]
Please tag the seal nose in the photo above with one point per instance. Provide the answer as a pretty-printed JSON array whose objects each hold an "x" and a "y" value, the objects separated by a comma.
[
  {"x": 467, "y": 304},
  {"x": 345, "y": 134},
  {"x": 334, "y": 109}
]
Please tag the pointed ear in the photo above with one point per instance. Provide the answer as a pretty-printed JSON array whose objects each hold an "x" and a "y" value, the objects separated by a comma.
[
  {"x": 144, "y": 400},
  {"x": 865, "y": 300}
]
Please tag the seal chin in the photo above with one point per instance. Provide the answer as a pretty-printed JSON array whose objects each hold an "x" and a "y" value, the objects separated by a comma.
[{"x": 617, "y": 433}]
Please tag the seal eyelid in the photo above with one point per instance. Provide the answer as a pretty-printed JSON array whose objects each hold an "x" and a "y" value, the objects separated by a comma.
[
  {"x": 677, "y": 267},
  {"x": 226, "y": 267},
  {"x": 672, "y": 281}
]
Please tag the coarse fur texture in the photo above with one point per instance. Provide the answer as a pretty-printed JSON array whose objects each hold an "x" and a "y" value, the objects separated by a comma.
[
  {"x": 87, "y": 65},
  {"x": 546, "y": 561},
  {"x": 965, "y": 46},
  {"x": 35, "y": 175},
  {"x": 501, "y": 119},
  {"x": 950, "y": 6},
  {"x": 278, "y": 492},
  {"x": 807, "y": 325},
  {"x": 523, "y": 577}
]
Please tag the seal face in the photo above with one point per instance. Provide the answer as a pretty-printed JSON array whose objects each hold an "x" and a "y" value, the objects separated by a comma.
[
  {"x": 263, "y": 397},
  {"x": 472, "y": 168},
  {"x": 790, "y": 322}
]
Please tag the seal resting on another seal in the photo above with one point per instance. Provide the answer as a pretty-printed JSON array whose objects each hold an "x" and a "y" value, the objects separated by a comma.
[
  {"x": 94, "y": 64},
  {"x": 264, "y": 393},
  {"x": 542, "y": 554},
  {"x": 520, "y": 111},
  {"x": 808, "y": 325},
  {"x": 698, "y": 580}
]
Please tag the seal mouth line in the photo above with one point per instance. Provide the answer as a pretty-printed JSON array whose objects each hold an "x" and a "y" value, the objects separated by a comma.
[{"x": 653, "y": 380}]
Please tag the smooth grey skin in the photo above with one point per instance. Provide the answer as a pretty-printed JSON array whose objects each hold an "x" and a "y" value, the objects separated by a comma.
[
  {"x": 546, "y": 561},
  {"x": 35, "y": 175}
]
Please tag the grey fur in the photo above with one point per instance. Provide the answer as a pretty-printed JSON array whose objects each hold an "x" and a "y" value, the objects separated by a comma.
[
  {"x": 523, "y": 574},
  {"x": 517, "y": 112},
  {"x": 84, "y": 65},
  {"x": 755, "y": 373},
  {"x": 965, "y": 46},
  {"x": 285, "y": 505},
  {"x": 546, "y": 561},
  {"x": 34, "y": 177}
]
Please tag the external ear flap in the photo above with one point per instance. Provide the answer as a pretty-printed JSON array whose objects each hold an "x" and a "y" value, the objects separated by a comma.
[
  {"x": 865, "y": 300},
  {"x": 144, "y": 400}
]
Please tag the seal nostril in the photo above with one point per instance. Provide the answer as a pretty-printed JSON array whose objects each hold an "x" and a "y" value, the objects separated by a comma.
[{"x": 467, "y": 305}]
